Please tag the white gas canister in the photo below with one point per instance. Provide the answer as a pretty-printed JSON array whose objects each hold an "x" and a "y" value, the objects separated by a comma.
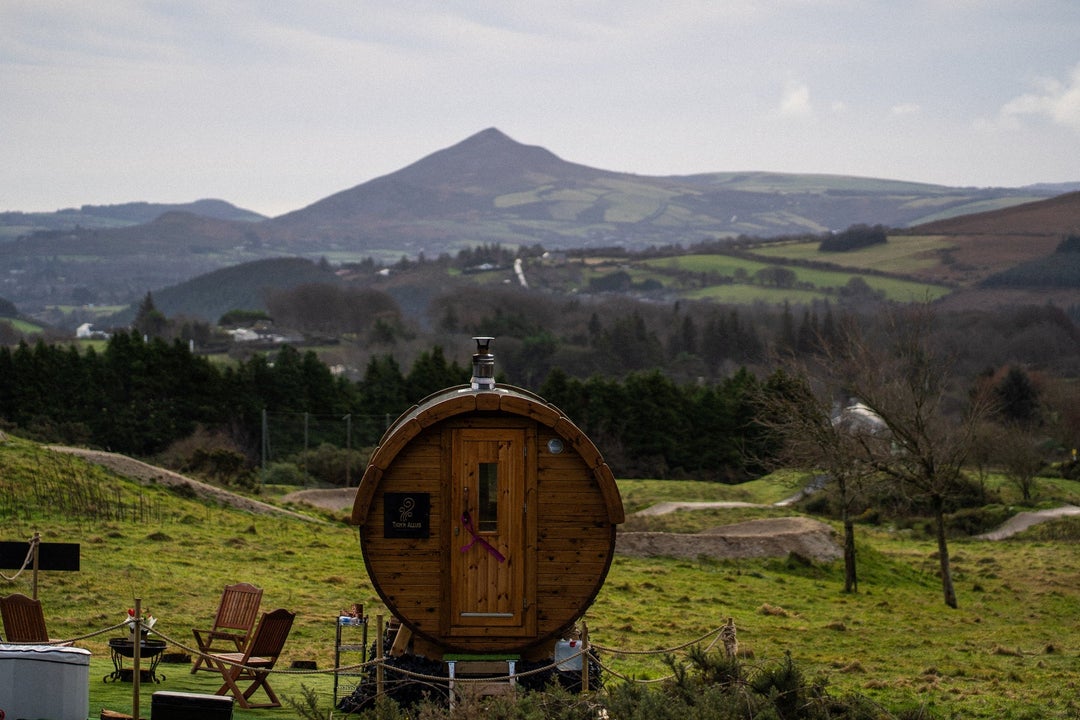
[{"x": 567, "y": 655}]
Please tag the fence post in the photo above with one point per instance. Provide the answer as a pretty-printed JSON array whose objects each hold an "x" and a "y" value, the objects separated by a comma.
[
  {"x": 584, "y": 657},
  {"x": 379, "y": 677},
  {"x": 37, "y": 545}
]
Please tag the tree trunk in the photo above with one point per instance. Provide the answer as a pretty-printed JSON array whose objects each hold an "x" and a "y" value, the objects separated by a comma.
[
  {"x": 851, "y": 580},
  {"x": 943, "y": 553}
]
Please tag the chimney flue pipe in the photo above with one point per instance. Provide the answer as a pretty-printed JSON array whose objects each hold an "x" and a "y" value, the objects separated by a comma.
[{"x": 483, "y": 365}]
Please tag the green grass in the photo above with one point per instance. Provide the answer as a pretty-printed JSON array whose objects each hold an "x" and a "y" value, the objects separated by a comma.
[
  {"x": 896, "y": 289},
  {"x": 1011, "y": 650},
  {"x": 93, "y": 310},
  {"x": 640, "y": 494},
  {"x": 901, "y": 254},
  {"x": 22, "y": 326}
]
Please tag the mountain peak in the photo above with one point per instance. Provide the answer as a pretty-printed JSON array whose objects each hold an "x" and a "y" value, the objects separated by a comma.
[
  {"x": 487, "y": 158},
  {"x": 488, "y": 136}
]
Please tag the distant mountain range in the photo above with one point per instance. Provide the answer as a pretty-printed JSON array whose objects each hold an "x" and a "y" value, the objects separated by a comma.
[{"x": 486, "y": 189}]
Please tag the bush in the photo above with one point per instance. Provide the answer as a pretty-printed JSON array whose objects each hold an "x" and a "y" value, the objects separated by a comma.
[
  {"x": 331, "y": 465},
  {"x": 209, "y": 455},
  {"x": 283, "y": 473},
  {"x": 709, "y": 686}
]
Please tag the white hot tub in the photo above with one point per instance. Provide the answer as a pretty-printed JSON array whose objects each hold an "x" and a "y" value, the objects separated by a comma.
[{"x": 43, "y": 681}]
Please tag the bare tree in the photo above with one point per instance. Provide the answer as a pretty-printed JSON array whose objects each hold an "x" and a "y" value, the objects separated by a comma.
[
  {"x": 931, "y": 424},
  {"x": 810, "y": 431},
  {"x": 1020, "y": 455}
]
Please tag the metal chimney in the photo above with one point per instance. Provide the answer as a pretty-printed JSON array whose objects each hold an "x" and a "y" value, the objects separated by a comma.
[{"x": 483, "y": 363}]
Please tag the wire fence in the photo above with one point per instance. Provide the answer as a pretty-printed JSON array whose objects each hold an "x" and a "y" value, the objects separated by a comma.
[{"x": 304, "y": 447}]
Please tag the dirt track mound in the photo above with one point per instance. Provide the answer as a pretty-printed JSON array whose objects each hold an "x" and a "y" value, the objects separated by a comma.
[
  {"x": 145, "y": 473},
  {"x": 333, "y": 499},
  {"x": 776, "y": 537}
]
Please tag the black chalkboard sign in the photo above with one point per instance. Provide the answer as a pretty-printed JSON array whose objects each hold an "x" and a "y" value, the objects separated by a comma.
[
  {"x": 51, "y": 556},
  {"x": 406, "y": 515}
]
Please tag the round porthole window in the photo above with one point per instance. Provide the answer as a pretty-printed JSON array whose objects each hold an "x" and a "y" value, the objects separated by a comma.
[{"x": 555, "y": 446}]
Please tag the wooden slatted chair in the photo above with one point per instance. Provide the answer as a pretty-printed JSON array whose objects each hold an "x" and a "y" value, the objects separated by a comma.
[
  {"x": 236, "y": 614},
  {"x": 24, "y": 620},
  {"x": 256, "y": 661}
]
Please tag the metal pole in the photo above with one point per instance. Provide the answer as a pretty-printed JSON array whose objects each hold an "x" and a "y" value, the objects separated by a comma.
[
  {"x": 348, "y": 449},
  {"x": 379, "y": 675},
  {"x": 265, "y": 446},
  {"x": 584, "y": 657},
  {"x": 136, "y": 656}
]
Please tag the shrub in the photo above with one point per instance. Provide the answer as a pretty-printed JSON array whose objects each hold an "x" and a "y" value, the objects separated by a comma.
[{"x": 331, "y": 465}]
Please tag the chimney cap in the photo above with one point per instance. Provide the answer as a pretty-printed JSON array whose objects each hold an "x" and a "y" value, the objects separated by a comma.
[{"x": 483, "y": 365}]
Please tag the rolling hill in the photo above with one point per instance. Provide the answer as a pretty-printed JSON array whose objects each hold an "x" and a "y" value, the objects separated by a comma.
[{"x": 488, "y": 188}]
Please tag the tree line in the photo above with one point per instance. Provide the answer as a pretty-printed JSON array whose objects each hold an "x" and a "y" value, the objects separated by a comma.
[{"x": 139, "y": 396}]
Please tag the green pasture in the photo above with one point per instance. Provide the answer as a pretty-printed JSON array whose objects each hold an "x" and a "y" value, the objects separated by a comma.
[
  {"x": 901, "y": 254},
  {"x": 724, "y": 265},
  {"x": 22, "y": 325},
  {"x": 1011, "y": 650},
  {"x": 92, "y": 310},
  {"x": 640, "y": 494}
]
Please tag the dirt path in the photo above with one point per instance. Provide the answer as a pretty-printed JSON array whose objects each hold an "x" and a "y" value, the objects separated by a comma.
[
  {"x": 1022, "y": 521},
  {"x": 333, "y": 499},
  {"x": 770, "y": 537},
  {"x": 668, "y": 507},
  {"x": 145, "y": 474}
]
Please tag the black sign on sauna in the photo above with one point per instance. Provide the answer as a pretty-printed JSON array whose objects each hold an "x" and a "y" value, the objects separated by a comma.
[{"x": 406, "y": 515}]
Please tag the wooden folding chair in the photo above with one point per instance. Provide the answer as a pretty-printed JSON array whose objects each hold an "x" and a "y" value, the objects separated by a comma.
[
  {"x": 236, "y": 613},
  {"x": 24, "y": 620},
  {"x": 257, "y": 659}
]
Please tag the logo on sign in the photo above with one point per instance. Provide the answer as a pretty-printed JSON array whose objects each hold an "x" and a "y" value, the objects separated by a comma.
[{"x": 406, "y": 515}]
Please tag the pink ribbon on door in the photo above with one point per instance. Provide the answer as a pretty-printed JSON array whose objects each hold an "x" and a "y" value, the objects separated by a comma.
[{"x": 466, "y": 520}]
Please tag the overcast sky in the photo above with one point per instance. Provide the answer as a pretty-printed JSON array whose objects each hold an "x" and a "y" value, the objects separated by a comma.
[{"x": 274, "y": 105}]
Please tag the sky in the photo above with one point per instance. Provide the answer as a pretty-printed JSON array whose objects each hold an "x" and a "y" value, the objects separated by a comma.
[{"x": 275, "y": 105}]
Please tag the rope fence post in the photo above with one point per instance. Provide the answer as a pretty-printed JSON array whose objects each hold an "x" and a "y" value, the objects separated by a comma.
[{"x": 36, "y": 542}]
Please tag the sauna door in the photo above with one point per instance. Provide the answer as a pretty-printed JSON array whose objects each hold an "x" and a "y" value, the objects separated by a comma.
[{"x": 488, "y": 559}]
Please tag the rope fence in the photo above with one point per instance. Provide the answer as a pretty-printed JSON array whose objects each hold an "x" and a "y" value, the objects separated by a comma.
[
  {"x": 716, "y": 635},
  {"x": 381, "y": 664},
  {"x": 30, "y": 553}
]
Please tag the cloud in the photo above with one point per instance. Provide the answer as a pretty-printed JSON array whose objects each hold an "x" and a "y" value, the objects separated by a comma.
[
  {"x": 906, "y": 109},
  {"x": 795, "y": 100},
  {"x": 1053, "y": 100}
]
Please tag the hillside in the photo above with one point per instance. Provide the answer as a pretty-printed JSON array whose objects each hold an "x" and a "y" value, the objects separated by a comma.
[
  {"x": 953, "y": 262},
  {"x": 488, "y": 188},
  {"x": 19, "y": 224},
  {"x": 491, "y": 188},
  {"x": 982, "y": 246},
  {"x": 891, "y": 642},
  {"x": 245, "y": 286}
]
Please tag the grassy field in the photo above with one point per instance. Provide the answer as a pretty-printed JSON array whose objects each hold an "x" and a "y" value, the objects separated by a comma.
[
  {"x": 901, "y": 254},
  {"x": 1011, "y": 650},
  {"x": 815, "y": 280},
  {"x": 22, "y": 325}
]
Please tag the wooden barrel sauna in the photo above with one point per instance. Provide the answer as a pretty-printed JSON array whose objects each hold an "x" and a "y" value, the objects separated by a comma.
[{"x": 487, "y": 520}]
